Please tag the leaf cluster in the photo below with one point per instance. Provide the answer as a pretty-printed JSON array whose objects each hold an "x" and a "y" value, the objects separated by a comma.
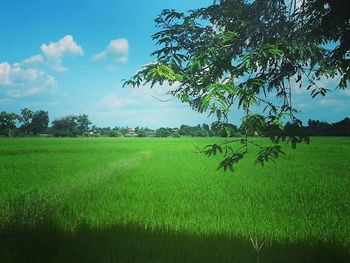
[{"x": 245, "y": 54}]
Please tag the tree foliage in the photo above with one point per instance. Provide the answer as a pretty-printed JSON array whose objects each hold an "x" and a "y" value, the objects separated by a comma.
[
  {"x": 33, "y": 122},
  {"x": 25, "y": 118},
  {"x": 7, "y": 123},
  {"x": 40, "y": 122},
  {"x": 163, "y": 132},
  {"x": 83, "y": 122},
  {"x": 243, "y": 54},
  {"x": 71, "y": 125}
]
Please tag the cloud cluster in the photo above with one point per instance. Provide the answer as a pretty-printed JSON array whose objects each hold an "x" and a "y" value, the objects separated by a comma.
[
  {"x": 29, "y": 76},
  {"x": 111, "y": 102},
  {"x": 33, "y": 60},
  {"x": 65, "y": 45},
  {"x": 5, "y": 69},
  {"x": 17, "y": 81},
  {"x": 117, "y": 50},
  {"x": 55, "y": 51}
]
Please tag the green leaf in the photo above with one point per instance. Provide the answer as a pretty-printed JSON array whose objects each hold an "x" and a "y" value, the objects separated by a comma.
[{"x": 228, "y": 37}]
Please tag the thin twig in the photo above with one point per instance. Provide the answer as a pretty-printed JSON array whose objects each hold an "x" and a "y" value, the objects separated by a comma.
[{"x": 160, "y": 99}]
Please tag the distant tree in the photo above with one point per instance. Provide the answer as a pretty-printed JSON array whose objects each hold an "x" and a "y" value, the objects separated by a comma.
[
  {"x": 114, "y": 133},
  {"x": 163, "y": 132},
  {"x": 71, "y": 125},
  {"x": 206, "y": 128},
  {"x": 25, "y": 118},
  {"x": 8, "y": 123},
  {"x": 342, "y": 128},
  {"x": 198, "y": 131},
  {"x": 65, "y": 127},
  {"x": 318, "y": 128},
  {"x": 39, "y": 122},
  {"x": 83, "y": 123},
  {"x": 185, "y": 130},
  {"x": 224, "y": 129},
  {"x": 141, "y": 133},
  {"x": 194, "y": 131}
]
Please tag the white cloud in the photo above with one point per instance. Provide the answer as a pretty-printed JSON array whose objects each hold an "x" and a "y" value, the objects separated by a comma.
[
  {"x": 58, "y": 67},
  {"x": 137, "y": 98},
  {"x": 345, "y": 92},
  {"x": 33, "y": 60},
  {"x": 328, "y": 102},
  {"x": 55, "y": 51},
  {"x": 117, "y": 50},
  {"x": 16, "y": 81},
  {"x": 337, "y": 104},
  {"x": 323, "y": 82},
  {"x": 66, "y": 45},
  {"x": 111, "y": 102},
  {"x": 5, "y": 69}
]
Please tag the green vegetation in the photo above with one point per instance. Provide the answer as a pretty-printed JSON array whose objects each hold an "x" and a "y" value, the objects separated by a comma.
[
  {"x": 251, "y": 55},
  {"x": 30, "y": 123},
  {"x": 159, "y": 200}
]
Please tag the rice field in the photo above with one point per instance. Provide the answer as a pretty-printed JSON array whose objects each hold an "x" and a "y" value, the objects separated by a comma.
[{"x": 159, "y": 200}]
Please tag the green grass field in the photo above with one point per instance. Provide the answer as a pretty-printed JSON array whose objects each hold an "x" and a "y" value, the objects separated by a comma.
[{"x": 159, "y": 200}]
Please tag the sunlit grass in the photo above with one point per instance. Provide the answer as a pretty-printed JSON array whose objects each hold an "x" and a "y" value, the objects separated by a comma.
[{"x": 166, "y": 185}]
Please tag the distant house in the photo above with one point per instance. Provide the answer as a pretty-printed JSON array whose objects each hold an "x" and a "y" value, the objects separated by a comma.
[
  {"x": 45, "y": 135},
  {"x": 130, "y": 132},
  {"x": 90, "y": 134}
]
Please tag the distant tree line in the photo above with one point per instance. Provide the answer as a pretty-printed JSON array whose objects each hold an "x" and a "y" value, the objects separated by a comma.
[
  {"x": 26, "y": 123},
  {"x": 34, "y": 123},
  {"x": 71, "y": 126},
  {"x": 319, "y": 128}
]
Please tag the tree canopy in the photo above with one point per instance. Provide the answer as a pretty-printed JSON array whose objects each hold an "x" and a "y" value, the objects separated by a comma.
[
  {"x": 71, "y": 125},
  {"x": 26, "y": 117},
  {"x": 7, "y": 123},
  {"x": 237, "y": 53}
]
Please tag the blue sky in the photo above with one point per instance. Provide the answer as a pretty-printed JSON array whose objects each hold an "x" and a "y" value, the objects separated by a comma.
[{"x": 69, "y": 57}]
